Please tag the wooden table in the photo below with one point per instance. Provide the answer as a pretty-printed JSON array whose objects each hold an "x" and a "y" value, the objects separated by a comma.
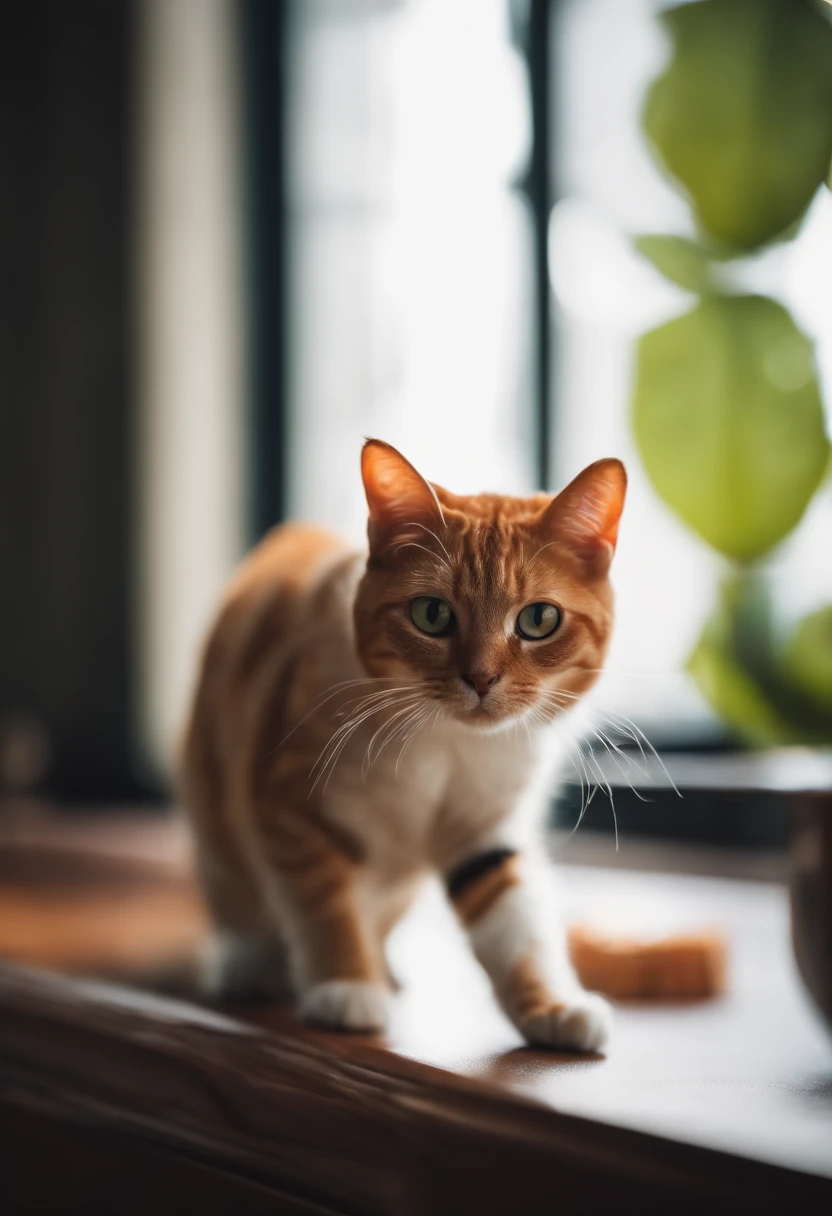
[{"x": 113, "y": 1097}]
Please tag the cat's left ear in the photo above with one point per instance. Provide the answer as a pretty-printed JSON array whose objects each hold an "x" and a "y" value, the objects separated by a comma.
[
  {"x": 586, "y": 514},
  {"x": 402, "y": 504}
]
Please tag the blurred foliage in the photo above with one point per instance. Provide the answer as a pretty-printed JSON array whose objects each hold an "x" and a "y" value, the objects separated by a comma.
[
  {"x": 729, "y": 422},
  {"x": 742, "y": 117},
  {"x": 680, "y": 260},
  {"x": 720, "y": 667},
  {"x": 727, "y": 413},
  {"x": 772, "y": 692},
  {"x": 808, "y": 660}
]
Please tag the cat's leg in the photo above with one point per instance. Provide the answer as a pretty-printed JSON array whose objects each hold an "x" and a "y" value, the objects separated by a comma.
[
  {"x": 501, "y": 898},
  {"x": 243, "y": 958},
  {"x": 244, "y": 966},
  {"x": 336, "y": 956}
]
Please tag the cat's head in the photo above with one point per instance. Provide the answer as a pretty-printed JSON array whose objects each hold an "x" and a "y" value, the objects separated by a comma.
[{"x": 501, "y": 607}]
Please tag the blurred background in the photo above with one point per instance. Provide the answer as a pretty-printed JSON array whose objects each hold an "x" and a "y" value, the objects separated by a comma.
[{"x": 239, "y": 235}]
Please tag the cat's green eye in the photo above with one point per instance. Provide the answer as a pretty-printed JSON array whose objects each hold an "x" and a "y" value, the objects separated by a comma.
[
  {"x": 538, "y": 621},
  {"x": 431, "y": 615}
]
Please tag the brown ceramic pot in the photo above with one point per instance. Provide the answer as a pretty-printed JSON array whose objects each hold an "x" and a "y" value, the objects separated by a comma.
[{"x": 810, "y": 887}]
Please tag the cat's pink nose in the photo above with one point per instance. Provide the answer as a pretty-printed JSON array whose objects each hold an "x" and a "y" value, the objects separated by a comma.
[{"x": 480, "y": 681}]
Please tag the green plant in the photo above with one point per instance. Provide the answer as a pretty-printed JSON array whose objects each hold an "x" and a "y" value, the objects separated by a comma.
[{"x": 726, "y": 408}]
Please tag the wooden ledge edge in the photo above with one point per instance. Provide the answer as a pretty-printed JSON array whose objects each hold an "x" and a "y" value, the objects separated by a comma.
[{"x": 363, "y": 1128}]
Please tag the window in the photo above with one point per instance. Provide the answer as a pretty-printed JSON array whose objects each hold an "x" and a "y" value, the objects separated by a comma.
[
  {"x": 406, "y": 218},
  {"x": 606, "y": 52},
  {"x": 410, "y": 269},
  {"x": 412, "y": 303}
]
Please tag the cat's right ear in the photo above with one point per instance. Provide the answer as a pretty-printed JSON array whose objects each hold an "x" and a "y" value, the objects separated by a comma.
[
  {"x": 402, "y": 504},
  {"x": 586, "y": 514}
]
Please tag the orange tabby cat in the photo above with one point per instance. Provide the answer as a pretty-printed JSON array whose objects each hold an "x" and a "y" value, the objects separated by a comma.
[{"x": 360, "y": 721}]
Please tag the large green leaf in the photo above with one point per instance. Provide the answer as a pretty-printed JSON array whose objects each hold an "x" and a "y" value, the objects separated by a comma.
[
  {"x": 742, "y": 117},
  {"x": 729, "y": 423},
  {"x": 680, "y": 260},
  {"x": 808, "y": 660}
]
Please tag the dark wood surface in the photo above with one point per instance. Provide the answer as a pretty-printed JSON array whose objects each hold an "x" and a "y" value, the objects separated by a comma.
[{"x": 724, "y": 1105}]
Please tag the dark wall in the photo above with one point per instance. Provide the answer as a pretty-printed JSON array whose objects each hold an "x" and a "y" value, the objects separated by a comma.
[{"x": 66, "y": 396}]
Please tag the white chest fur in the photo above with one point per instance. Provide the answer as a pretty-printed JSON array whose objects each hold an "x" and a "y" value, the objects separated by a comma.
[{"x": 454, "y": 790}]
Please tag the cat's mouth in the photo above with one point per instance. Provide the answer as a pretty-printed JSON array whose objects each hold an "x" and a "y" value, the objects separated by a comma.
[
  {"x": 493, "y": 715},
  {"x": 496, "y": 709},
  {"x": 487, "y": 715}
]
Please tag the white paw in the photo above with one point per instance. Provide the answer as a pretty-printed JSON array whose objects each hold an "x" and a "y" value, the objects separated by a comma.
[
  {"x": 582, "y": 1024},
  {"x": 347, "y": 1005}
]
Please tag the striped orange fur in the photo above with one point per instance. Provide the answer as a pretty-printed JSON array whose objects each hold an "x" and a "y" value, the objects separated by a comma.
[
  {"x": 475, "y": 900},
  {"x": 337, "y": 750}
]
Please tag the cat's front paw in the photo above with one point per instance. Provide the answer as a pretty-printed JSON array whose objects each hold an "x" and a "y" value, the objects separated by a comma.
[
  {"x": 357, "y": 1005},
  {"x": 580, "y": 1024}
]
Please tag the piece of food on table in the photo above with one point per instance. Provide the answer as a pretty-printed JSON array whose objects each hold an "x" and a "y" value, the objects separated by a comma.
[{"x": 684, "y": 967}]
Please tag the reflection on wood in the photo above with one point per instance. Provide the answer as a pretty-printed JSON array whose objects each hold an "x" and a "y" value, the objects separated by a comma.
[{"x": 723, "y": 1106}]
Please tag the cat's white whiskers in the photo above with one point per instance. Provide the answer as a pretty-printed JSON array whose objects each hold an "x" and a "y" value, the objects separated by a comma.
[
  {"x": 366, "y": 707},
  {"x": 368, "y": 757},
  {"x": 615, "y": 751},
  {"x": 412, "y": 544},
  {"x": 329, "y": 757},
  {"x": 540, "y": 550},
  {"x": 592, "y": 787},
  {"x": 638, "y": 732},
  {"x": 389, "y": 696},
  {"x": 327, "y": 695},
  {"x": 415, "y": 524},
  {"x": 369, "y": 701},
  {"x": 571, "y": 748},
  {"x": 607, "y": 743},
  {"x": 390, "y": 728},
  {"x": 606, "y": 784},
  {"x": 551, "y": 702},
  {"x": 413, "y": 728},
  {"x": 584, "y": 788},
  {"x": 588, "y": 756},
  {"x": 627, "y": 727},
  {"x": 335, "y": 745},
  {"x": 405, "y": 731},
  {"x": 626, "y": 732},
  {"x": 369, "y": 707},
  {"x": 366, "y": 698}
]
